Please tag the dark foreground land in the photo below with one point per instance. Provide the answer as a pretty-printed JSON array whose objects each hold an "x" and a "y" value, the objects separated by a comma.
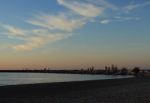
[{"x": 133, "y": 90}]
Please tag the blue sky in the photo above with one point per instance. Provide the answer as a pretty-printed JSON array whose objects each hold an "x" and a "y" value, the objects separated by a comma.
[{"x": 74, "y": 33}]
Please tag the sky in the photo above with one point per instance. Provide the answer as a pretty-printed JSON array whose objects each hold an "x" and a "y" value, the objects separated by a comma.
[{"x": 74, "y": 34}]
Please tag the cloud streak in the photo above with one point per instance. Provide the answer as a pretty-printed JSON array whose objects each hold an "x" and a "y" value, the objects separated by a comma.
[
  {"x": 104, "y": 4},
  {"x": 106, "y": 21},
  {"x": 51, "y": 28},
  {"x": 132, "y": 6},
  {"x": 14, "y": 31},
  {"x": 82, "y": 8},
  {"x": 57, "y": 22},
  {"x": 34, "y": 38},
  {"x": 39, "y": 41}
]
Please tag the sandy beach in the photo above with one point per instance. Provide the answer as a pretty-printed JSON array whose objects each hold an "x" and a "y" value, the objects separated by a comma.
[{"x": 132, "y": 90}]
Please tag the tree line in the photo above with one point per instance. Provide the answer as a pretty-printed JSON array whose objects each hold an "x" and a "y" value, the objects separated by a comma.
[{"x": 109, "y": 70}]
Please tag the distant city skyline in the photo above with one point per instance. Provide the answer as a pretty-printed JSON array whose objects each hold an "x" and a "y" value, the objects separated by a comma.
[{"x": 69, "y": 34}]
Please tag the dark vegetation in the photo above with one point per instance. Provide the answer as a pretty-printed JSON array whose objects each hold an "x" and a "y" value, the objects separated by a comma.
[{"x": 109, "y": 70}]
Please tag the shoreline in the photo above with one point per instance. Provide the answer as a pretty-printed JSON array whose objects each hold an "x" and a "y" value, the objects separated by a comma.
[{"x": 36, "y": 92}]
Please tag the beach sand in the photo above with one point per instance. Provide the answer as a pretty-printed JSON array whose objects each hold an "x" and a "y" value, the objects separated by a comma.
[{"x": 131, "y": 90}]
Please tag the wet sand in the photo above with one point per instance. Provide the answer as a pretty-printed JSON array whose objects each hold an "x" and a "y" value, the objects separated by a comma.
[{"x": 131, "y": 90}]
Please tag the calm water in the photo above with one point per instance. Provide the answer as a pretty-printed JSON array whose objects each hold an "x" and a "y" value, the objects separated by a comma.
[{"x": 31, "y": 78}]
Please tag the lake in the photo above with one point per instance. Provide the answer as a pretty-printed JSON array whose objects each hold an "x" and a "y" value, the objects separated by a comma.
[{"x": 31, "y": 78}]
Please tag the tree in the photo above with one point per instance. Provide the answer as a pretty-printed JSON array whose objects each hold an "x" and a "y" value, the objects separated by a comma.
[
  {"x": 114, "y": 69},
  {"x": 136, "y": 70},
  {"x": 124, "y": 71},
  {"x": 107, "y": 70},
  {"x": 91, "y": 69}
]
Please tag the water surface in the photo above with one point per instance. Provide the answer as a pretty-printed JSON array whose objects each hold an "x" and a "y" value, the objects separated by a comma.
[{"x": 31, "y": 78}]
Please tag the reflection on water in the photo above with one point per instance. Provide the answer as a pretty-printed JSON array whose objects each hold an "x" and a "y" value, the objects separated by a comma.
[{"x": 31, "y": 78}]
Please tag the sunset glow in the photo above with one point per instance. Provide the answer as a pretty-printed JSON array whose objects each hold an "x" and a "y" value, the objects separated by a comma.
[{"x": 74, "y": 34}]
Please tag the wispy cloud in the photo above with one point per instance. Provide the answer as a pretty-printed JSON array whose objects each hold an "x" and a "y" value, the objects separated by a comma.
[
  {"x": 34, "y": 38},
  {"x": 104, "y": 4},
  {"x": 118, "y": 19},
  {"x": 57, "y": 22},
  {"x": 133, "y": 6},
  {"x": 50, "y": 27},
  {"x": 14, "y": 31},
  {"x": 82, "y": 8},
  {"x": 125, "y": 18},
  {"x": 106, "y": 21},
  {"x": 39, "y": 41},
  {"x": 54, "y": 27}
]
